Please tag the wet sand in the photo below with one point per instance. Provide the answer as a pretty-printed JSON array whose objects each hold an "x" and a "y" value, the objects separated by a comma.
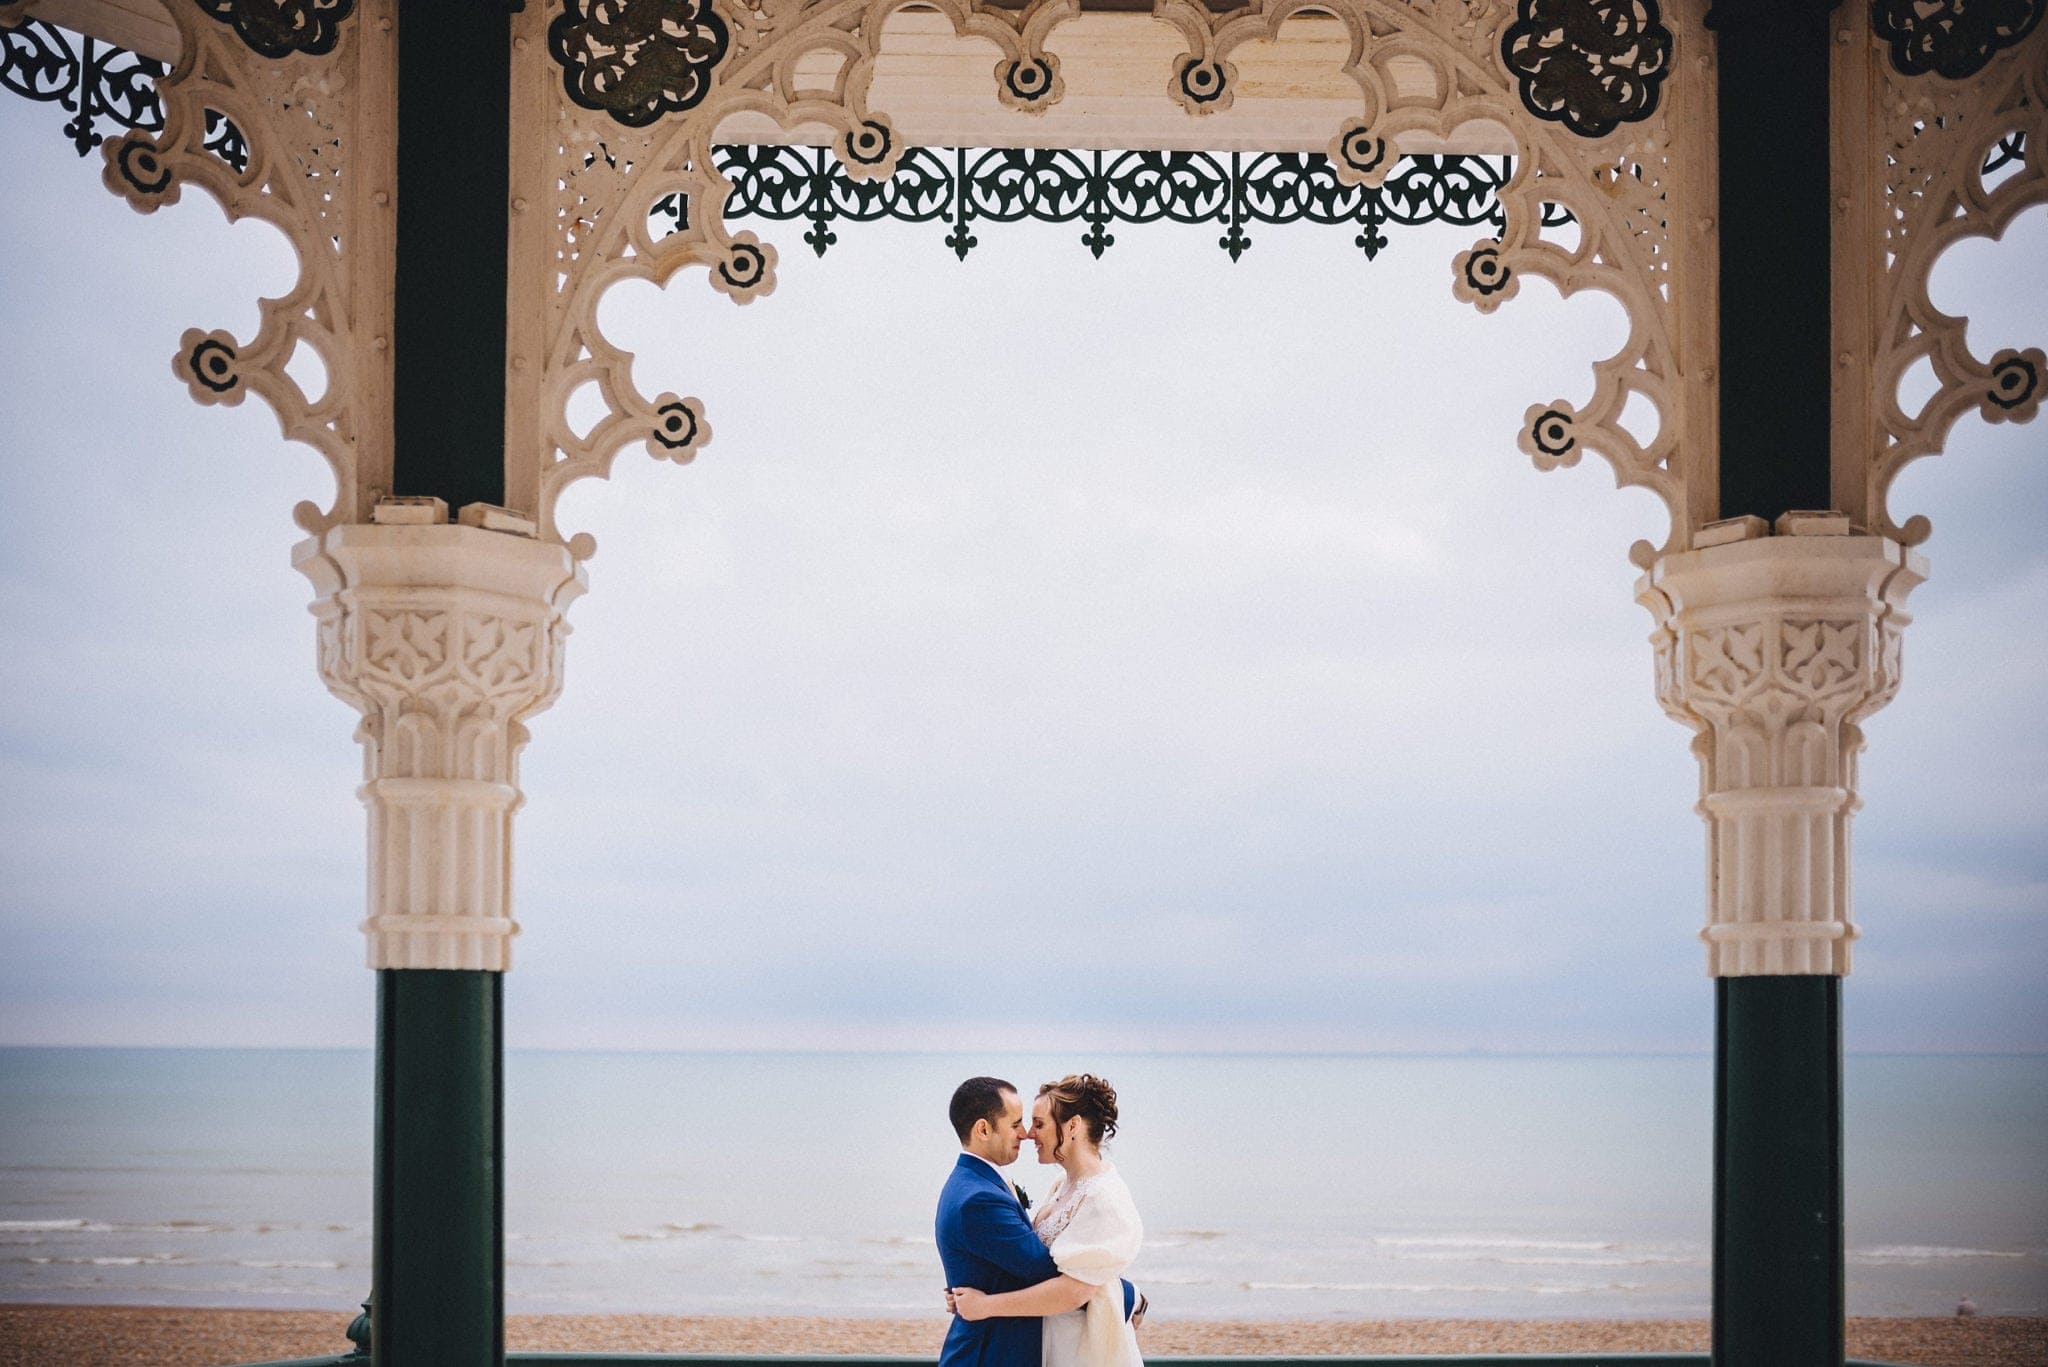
[{"x": 120, "y": 1336}]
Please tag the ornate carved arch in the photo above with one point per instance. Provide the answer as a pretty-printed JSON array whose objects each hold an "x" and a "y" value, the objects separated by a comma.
[
  {"x": 607, "y": 126},
  {"x": 281, "y": 111},
  {"x": 1596, "y": 129}
]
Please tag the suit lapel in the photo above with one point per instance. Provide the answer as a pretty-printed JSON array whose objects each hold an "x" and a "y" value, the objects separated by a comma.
[{"x": 987, "y": 1172}]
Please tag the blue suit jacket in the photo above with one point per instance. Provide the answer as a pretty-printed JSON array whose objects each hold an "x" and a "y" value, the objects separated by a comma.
[{"x": 986, "y": 1242}]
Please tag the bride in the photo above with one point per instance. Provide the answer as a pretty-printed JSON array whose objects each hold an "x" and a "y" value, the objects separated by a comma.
[{"x": 1090, "y": 1226}]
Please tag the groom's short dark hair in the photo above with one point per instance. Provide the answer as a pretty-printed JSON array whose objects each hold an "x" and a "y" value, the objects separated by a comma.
[{"x": 978, "y": 1098}]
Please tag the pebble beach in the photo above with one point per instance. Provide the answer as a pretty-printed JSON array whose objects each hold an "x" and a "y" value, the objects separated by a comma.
[{"x": 122, "y": 1336}]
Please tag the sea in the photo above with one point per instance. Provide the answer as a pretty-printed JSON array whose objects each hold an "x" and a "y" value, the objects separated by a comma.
[{"x": 1272, "y": 1187}]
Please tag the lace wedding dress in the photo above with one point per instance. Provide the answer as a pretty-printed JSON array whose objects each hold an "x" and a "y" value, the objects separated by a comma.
[{"x": 1092, "y": 1230}]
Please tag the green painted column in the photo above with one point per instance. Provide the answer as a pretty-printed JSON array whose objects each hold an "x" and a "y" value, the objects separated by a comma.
[
  {"x": 437, "y": 1290},
  {"x": 446, "y": 639},
  {"x": 1778, "y": 1251},
  {"x": 438, "y": 1281},
  {"x": 1778, "y": 1244},
  {"x": 449, "y": 287}
]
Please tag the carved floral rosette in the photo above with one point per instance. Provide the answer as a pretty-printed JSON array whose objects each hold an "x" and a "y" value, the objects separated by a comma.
[
  {"x": 1774, "y": 650},
  {"x": 445, "y": 639},
  {"x": 1577, "y": 90}
]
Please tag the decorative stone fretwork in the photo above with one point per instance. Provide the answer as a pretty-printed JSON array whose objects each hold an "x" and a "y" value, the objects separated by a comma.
[
  {"x": 1774, "y": 649},
  {"x": 619, "y": 105},
  {"x": 1928, "y": 156},
  {"x": 1612, "y": 184},
  {"x": 1357, "y": 183},
  {"x": 280, "y": 110},
  {"x": 445, "y": 638}
]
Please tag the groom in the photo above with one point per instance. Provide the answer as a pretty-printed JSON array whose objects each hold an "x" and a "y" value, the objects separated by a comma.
[{"x": 985, "y": 1239}]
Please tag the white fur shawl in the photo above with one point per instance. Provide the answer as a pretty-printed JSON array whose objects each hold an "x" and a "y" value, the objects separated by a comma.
[{"x": 1095, "y": 1247}]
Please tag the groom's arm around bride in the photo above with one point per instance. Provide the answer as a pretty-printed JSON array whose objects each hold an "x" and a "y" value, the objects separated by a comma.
[{"x": 985, "y": 1240}]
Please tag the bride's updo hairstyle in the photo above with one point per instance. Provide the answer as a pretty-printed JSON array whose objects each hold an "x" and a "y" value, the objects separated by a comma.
[{"x": 1087, "y": 1096}]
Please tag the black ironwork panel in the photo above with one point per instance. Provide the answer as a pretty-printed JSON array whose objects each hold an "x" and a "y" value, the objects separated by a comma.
[
  {"x": 638, "y": 62},
  {"x": 280, "y": 28},
  {"x": 963, "y": 187},
  {"x": 102, "y": 86},
  {"x": 1951, "y": 38},
  {"x": 1591, "y": 65},
  {"x": 105, "y": 88}
]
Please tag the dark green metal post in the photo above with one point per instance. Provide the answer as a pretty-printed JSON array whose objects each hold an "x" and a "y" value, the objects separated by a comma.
[
  {"x": 448, "y": 302},
  {"x": 1778, "y": 1249},
  {"x": 1778, "y": 1243},
  {"x": 437, "y": 1288},
  {"x": 1775, "y": 229}
]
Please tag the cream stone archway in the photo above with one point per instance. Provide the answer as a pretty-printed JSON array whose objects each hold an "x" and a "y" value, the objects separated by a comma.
[{"x": 1779, "y": 615}]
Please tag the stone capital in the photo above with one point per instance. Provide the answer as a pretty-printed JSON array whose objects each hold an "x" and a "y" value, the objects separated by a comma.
[
  {"x": 445, "y": 638},
  {"x": 1773, "y": 650}
]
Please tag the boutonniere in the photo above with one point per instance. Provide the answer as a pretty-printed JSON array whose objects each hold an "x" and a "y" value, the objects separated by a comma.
[{"x": 1023, "y": 1196}]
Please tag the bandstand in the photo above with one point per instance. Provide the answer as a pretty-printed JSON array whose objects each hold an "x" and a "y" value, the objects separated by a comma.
[{"x": 1599, "y": 145}]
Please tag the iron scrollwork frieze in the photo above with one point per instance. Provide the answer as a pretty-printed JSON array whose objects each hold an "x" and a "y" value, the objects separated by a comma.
[
  {"x": 108, "y": 88},
  {"x": 102, "y": 86},
  {"x": 105, "y": 88},
  {"x": 958, "y": 186},
  {"x": 963, "y": 187}
]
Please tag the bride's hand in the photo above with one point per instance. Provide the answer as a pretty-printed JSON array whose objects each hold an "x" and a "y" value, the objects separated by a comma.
[
  {"x": 951, "y": 1309},
  {"x": 970, "y": 1304}
]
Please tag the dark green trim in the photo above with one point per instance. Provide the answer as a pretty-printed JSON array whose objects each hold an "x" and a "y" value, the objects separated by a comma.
[
  {"x": 1778, "y": 1243},
  {"x": 454, "y": 203},
  {"x": 1775, "y": 224},
  {"x": 438, "y": 1249}
]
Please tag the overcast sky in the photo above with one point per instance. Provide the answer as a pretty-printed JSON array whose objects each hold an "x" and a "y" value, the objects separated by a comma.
[{"x": 1149, "y": 652}]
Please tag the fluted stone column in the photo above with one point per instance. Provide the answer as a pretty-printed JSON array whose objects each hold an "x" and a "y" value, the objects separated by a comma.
[
  {"x": 445, "y": 639},
  {"x": 1774, "y": 649}
]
